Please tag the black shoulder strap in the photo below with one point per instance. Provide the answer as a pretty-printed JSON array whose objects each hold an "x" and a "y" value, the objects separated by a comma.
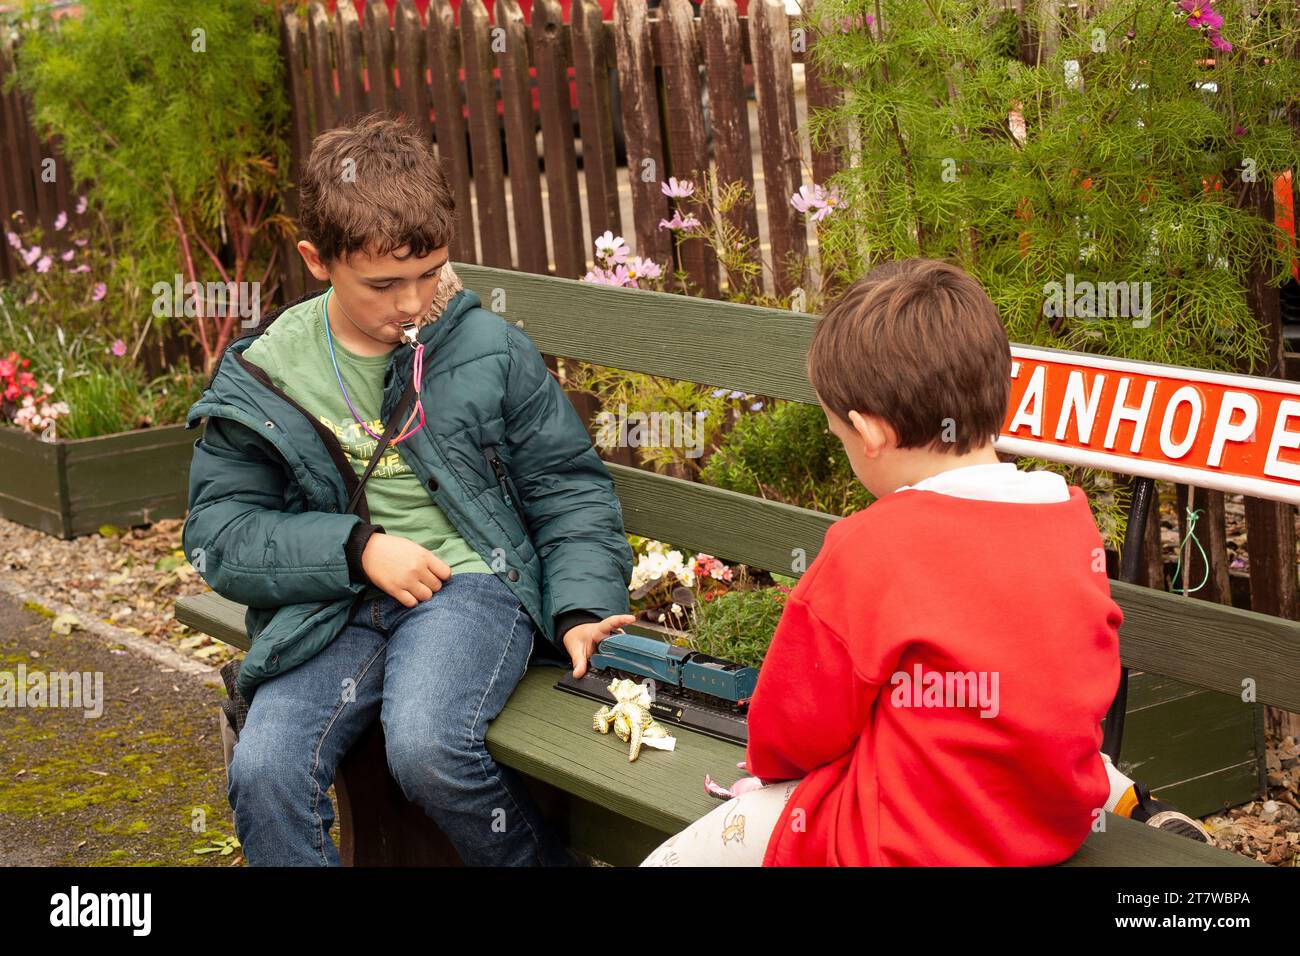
[{"x": 395, "y": 421}]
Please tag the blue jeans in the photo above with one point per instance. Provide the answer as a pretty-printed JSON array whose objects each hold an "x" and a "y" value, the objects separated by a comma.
[{"x": 436, "y": 675}]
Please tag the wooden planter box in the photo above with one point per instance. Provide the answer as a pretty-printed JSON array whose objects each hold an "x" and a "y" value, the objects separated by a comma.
[{"x": 71, "y": 487}]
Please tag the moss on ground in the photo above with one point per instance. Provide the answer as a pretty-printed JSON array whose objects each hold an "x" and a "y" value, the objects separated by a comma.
[{"x": 142, "y": 784}]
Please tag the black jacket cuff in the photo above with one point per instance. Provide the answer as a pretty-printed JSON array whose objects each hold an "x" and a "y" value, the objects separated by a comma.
[
  {"x": 355, "y": 546},
  {"x": 572, "y": 619}
]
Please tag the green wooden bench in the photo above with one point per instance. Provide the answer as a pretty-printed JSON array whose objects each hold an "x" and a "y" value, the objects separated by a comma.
[{"x": 618, "y": 811}]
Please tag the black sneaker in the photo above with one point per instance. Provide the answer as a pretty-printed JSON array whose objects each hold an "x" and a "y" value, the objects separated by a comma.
[{"x": 1162, "y": 816}]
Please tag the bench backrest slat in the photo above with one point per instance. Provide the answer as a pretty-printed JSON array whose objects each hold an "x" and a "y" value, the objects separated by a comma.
[
  {"x": 705, "y": 341},
  {"x": 727, "y": 524}
]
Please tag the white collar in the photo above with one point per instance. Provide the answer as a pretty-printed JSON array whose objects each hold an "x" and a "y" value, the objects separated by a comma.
[{"x": 1001, "y": 481}]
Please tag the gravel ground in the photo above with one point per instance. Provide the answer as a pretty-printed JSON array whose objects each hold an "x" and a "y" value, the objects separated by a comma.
[{"x": 131, "y": 578}]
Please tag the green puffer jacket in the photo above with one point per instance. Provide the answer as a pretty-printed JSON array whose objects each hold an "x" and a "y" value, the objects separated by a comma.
[{"x": 503, "y": 453}]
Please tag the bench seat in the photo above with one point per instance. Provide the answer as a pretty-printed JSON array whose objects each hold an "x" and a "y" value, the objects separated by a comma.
[{"x": 615, "y": 810}]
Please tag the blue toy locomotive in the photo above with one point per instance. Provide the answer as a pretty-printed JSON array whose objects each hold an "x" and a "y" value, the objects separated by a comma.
[
  {"x": 676, "y": 666},
  {"x": 691, "y": 689}
]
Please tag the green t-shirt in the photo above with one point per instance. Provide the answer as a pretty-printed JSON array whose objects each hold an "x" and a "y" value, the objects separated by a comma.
[{"x": 295, "y": 355}]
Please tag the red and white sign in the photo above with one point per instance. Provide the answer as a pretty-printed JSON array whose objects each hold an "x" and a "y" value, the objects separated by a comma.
[{"x": 1208, "y": 429}]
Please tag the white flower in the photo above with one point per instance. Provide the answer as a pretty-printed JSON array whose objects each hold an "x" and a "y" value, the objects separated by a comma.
[{"x": 611, "y": 248}]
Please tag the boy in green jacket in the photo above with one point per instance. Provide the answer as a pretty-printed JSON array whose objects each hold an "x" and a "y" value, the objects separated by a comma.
[{"x": 489, "y": 522}]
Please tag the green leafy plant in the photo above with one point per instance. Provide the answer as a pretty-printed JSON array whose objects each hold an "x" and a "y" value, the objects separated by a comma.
[
  {"x": 108, "y": 400},
  {"x": 95, "y": 387},
  {"x": 703, "y": 212},
  {"x": 225, "y": 846},
  {"x": 175, "y": 114},
  {"x": 1118, "y": 146},
  {"x": 787, "y": 453},
  {"x": 702, "y": 410},
  {"x": 73, "y": 280},
  {"x": 738, "y": 625}
]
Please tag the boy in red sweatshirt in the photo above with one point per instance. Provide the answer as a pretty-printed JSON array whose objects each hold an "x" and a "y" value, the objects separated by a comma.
[{"x": 933, "y": 694}]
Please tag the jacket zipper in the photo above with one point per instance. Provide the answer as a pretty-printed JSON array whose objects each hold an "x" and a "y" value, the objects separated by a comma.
[{"x": 499, "y": 469}]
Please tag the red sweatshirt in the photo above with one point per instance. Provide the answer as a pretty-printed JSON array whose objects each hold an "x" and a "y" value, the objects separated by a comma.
[{"x": 924, "y": 599}]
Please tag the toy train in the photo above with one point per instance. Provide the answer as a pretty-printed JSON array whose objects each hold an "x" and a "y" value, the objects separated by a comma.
[{"x": 688, "y": 688}]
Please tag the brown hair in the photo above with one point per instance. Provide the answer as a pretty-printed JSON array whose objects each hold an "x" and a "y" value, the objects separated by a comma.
[
  {"x": 919, "y": 344},
  {"x": 374, "y": 186}
]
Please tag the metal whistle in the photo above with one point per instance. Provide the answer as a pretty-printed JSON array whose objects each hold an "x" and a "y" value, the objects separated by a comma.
[{"x": 409, "y": 333}]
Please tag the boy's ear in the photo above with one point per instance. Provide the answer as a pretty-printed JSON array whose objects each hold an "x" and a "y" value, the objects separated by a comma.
[
  {"x": 875, "y": 433},
  {"x": 313, "y": 260}
]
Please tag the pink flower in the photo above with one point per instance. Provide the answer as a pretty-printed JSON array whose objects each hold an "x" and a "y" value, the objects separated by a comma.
[
  {"x": 599, "y": 276},
  {"x": 639, "y": 268},
  {"x": 847, "y": 23},
  {"x": 677, "y": 189},
  {"x": 678, "y": 222},
  {"x": 44, "y": 264},
  {"x": 1200, "y": 14},
  {"x": 1219, "y": 43},
  {"x": 611, "y": 248},
  {"x": 81, "y": 205},
  {"x": 67, "y": 256},
  {"x": 60, "y": 221},
  {"x": 817, "y": 199},
  {"x": 80, "y": 242},
  {"x": 32, "y": 254},
  {"x": 98, "y": 292},
  {"x": 119, "y": 348},
  {"x": 15, "y": 240},
  {"x": 82, "y": 268}
]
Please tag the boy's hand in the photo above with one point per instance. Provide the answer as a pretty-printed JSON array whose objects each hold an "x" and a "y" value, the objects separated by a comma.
[
  {"x": 403, "y": 569},
  {"x": 581, "y": 641}
]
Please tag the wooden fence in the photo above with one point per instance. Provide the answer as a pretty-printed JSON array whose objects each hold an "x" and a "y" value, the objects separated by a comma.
[{"x": 470, "y": 86}]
